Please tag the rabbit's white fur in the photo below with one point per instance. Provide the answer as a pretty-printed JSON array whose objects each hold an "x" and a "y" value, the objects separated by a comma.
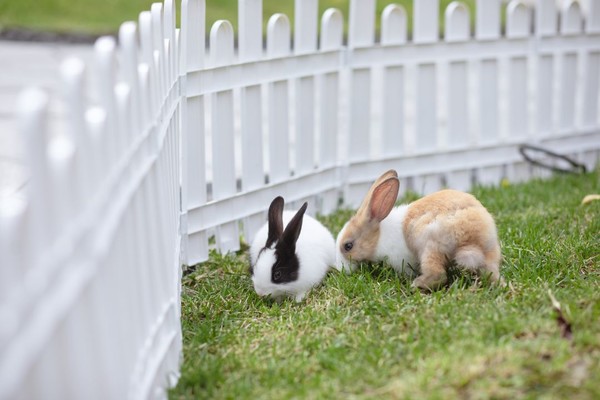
[
  {"x": 315, "y": 250},
  {"x": 391, "y": 246}
]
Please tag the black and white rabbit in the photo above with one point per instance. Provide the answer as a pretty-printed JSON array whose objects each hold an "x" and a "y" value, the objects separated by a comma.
[{"x": 290, "y": 254}]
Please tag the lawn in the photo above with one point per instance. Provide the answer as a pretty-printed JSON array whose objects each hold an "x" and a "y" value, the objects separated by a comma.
[
  {"x": 368, "y": 335},
  {"x": 85, "y": 16}
]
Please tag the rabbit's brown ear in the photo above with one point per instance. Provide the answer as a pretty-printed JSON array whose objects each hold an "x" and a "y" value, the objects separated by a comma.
[
  {"x": 384, "y": 198},
  {"x": 275, "y": 221},
  {"x": 365, "y": 206}
]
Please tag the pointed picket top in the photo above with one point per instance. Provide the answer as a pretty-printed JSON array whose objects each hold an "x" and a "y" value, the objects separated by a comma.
[
  {"x": 518, "y": 20},
  {"x": 332, "y": 29},
  {"x": 571, "y": 21},
  {"x": 278, "y": 36},
  {"x": 221, "y": 43},
  {"x": 592, "y": 20},
  {"x": 457, "y": 22},
  {"x": 393, "y": 25},
  {"x": 546, "y": 18},
  {"x": 487, "y": 19},
  {"x": 305, "y": 26},
  {"x": 250, "y": 29},
  {"x": 193, "y": 35},
  {"x": 361, "y": 30},
  {"x": 425, "y": 21}
]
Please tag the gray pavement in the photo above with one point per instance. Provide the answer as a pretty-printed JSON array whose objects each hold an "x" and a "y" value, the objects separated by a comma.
[{"x": 26, "y": 64}]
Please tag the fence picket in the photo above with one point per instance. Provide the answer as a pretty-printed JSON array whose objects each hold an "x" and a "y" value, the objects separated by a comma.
[
  {"x": 146, "y": 28},
  {"x": 545, "y": 18},
  {"x": 95, "y": 121},
  {"x": 545, "y": 25},
  {"x": 393, "y": 32},
  {"x": 13, "y": 239},
  {"x": 545, "y": 95},
  {"x": 72, "y": 72},
  {"x": 250, "y": 49},
  {"x": 457, "y": 30},
  {"x": 361, "y": 30},
  {"x": 361, "y": 33},
  {"x": 170, "y": 36},
  {"x": 193, "y": 187},
  {"x": 305, "y": 41},
  {"x": 425, "y": 24},
  {"x": 224, "y": 180},
  {"x": 487, "y": 19},
  {"x": 332, "y": 27},
  {"x": 571, "y": 19},
  {"x": 33, "y": 113},
  {"x": 393, "y": 25},
  {"x": 570, "y": 24},
  {"x": 592, "y": 21},
  {"x": 517, "y": 27},
  {"x": 591, "y": 78},
  {"x": 488, "y": 28},
  {"x": 252, "y": 150},
  {"x": 305, "y": 26},
  {"x": 158, "y": 50},
  {"x": 65, "y": 191},
  {"x": 104, "y": 50},
  {"x": 590, "y": 85},
  {"x": 129, "y": 65},
  {"x": 457, "y": 22},
  {"x": 278, "y": 45},
  {"x": 517, "y": 20},
  {"x": 426, "y": 31}
]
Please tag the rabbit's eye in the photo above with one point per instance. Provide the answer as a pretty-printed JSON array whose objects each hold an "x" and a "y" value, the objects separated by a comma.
[
  {"x": 348, "y": 246},
  {"x": 276, "y": 275}
]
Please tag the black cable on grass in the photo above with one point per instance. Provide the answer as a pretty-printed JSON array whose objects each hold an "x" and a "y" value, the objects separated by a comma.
[{"x": 527, "y": 149}]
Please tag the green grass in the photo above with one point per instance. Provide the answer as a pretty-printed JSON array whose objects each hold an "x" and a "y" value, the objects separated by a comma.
[
  {"x": 88, "y": 16},
  {"x": 368, "y": 335}
]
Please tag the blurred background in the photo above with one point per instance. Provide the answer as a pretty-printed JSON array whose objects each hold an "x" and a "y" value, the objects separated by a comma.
[{"x": 82, "y": 18}]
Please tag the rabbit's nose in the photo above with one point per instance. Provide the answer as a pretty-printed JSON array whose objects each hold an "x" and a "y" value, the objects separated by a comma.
[{"x": 261, "y": 292}]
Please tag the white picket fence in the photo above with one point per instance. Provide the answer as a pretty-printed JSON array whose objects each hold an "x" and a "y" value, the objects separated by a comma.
[
  {"x": 443, "y": 112},
  {"x": 179, "y": 143},
  {"x": 90, "y": 262}
]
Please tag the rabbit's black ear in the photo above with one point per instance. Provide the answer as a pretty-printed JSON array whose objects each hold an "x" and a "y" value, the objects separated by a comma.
[
  {"x": 292, "y": 230},
  {"x": 287, "y": 265},
  {"x": 275, "y": 221}
]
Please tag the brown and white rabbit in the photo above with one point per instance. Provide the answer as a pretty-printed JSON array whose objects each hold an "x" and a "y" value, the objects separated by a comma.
[{"x": 427, "y": 235}]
